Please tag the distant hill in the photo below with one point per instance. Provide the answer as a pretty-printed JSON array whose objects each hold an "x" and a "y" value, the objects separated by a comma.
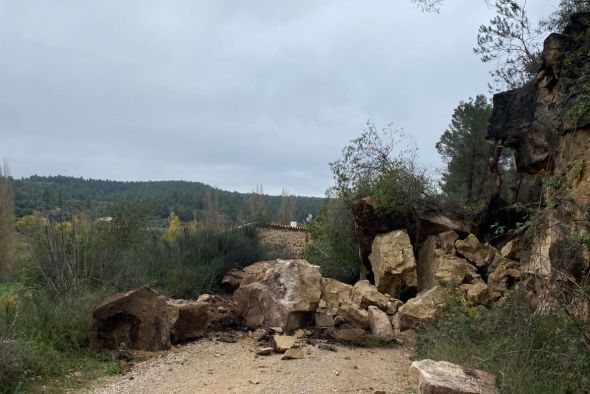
[{"x": 186, "y": 199}]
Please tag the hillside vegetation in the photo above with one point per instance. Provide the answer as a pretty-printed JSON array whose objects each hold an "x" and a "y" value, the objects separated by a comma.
[{"x": 189, "y": 200}]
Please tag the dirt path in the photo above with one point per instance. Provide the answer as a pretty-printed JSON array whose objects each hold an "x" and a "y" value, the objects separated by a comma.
[{"x": 208, "y": 366}]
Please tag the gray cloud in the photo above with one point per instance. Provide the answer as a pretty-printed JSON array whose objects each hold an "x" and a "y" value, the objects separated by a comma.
[{"x": 227, "y": 93}]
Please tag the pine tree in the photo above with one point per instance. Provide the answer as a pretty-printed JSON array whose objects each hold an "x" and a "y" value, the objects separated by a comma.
[{"x": 466, "y": 152}]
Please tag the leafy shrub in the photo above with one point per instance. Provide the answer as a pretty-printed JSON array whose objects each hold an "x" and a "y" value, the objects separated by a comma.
[{"x": 529, "y": 352}]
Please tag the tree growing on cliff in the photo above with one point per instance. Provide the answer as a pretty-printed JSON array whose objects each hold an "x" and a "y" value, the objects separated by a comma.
[
  {"x": 514, "y": 43},
  {"x": 7, "y": 230}
]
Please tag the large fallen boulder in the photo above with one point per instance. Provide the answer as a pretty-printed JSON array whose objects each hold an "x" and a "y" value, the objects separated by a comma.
[
  {"x": 137, "y": 318},
  {"x": 334, "y": 293},
  {"x": 365, "y": 294},
  {"x": 379, "y": 324},
  {"x": 233, "y": 279},
  {"x": 424, "y": 308},
  {"x": 453, "y": 270},
  {"x": 435, "y": 222},
  {"x": 441, "y": 377},
  {"x": 353, "y": 315},
  {"x": 504, "y": 277},
  {"x": 188, "y": 319},
  {"x": 479, "y": 254},
  {"x": 286, "y": 296},
  {"x": 393, "y": 263}
]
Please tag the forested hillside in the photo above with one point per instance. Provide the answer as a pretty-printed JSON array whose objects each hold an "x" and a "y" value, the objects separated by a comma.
[{"x": 189, "y": 200}]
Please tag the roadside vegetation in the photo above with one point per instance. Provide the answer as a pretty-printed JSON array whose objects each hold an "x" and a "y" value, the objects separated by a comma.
[{"x": 71, "y": 264}]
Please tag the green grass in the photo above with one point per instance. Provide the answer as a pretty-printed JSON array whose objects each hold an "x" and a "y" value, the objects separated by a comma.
[{"x": 8, "y": 288}]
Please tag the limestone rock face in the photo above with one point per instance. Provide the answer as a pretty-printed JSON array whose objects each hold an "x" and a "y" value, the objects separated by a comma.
[
  {"x": 423, "y": 308},
  {"x": 546, "y": 124},
  {"x": 365, "y": 294},
  {"x": 393, "y": 263},
  {"x": 137, "y": 318},
  {"x": 379, "y": 324},
  {"x": 441, "y": 377},
  {"x": 188, "y": 319},
  {"x": 287, "y": 296},
  {"x": 529, "y": 120}
]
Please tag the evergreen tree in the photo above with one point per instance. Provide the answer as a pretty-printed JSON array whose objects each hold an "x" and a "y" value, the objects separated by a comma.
[{"x": 466, "y": 152}]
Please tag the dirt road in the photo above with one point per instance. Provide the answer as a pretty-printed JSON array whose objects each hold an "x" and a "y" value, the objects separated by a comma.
[{"x": 209, "y": 366}]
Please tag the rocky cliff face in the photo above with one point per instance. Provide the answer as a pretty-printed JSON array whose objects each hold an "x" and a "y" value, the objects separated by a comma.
[
  {"x": 546, "y": 124},
  {"x": 533, "y": 119}
]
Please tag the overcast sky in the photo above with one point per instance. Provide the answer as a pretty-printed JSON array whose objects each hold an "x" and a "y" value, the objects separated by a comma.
[{"x": 230, "y": 93}]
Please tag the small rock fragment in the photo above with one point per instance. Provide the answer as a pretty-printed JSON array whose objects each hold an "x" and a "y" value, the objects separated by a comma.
[
  {"x": 281, "y": 343},
  {"x": 293, "y": 354},
  {"x": 264, "y": 351}
]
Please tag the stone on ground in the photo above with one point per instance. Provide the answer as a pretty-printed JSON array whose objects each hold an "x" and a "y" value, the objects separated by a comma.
[
  {"x": 281, "y": 343},
  {"x": 293, "y": 354},
  {"x": 393, "y": 263},
  {"x": 334, "y": 293},
  {"x": 380, "y": 325},
  {"x": 137, "y": 319},
  {"x": 188, "y": 319},
  {"x": 287, "y": 296},
  {"x": 264, "y": 351},
  {"x": 348, "y": 334},
  {"x": 453, "y": 270},
  {"x": 365, "y": 294},
  {"x": 353, "y": 315},
  {"x": 423, "y": 308},
  {"x": 441, "y": 377}
]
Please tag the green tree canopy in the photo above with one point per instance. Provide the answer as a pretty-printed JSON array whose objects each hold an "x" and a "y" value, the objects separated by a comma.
[{"x": 465, "y": 151}]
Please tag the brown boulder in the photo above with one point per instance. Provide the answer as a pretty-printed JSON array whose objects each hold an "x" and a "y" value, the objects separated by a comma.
[
  {"x": 453, "y": 270},
  {"x": 188, "y": 319},
  {"x": 365, "y": 294},
  {"x": 477, "y": 253},
  {"x": 137, "y": 319},
  {"x": 353, "y": 314},
  {"x": 333, "y": 294},
  {"x": 287, "y": 296},
  {"x": 393, "y": 263},
  {"x": 368, "y": 224},
  {"x": 423, "y": 308}
]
